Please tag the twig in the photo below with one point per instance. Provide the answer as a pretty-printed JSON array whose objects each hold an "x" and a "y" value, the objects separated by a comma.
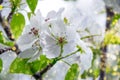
[
  {"x": 6, "y": 28},
  {"x": 103, "y": 63},
  {"x": 4, "y": 50},
  {"x": 14, "y": 49},
  {"x": 11, "y": 13},
  {"x": 38, "y": 75}
]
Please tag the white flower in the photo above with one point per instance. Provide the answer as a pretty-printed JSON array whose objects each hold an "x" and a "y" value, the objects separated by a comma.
[
  {"x": 32, "y": 37},
  {"x": 61, "y": 39},
  {"x": 31, "y": 43}
]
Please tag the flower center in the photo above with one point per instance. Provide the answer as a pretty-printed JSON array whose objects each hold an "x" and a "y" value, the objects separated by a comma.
[
  {"x": 34, "y": 31},
  {"x": 61, "y": 41}
]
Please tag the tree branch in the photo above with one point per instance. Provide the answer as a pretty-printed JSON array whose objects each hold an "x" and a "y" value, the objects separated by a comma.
[
  {"x": 14, "y": 49},
  {"x": 39, "y": 75},
  {"x": 6, "y": 26},
  {"x": 110, "y": 15},
  {"x": 11, "y": 13}
]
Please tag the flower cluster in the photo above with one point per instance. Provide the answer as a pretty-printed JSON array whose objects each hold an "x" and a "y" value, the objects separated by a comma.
[{"x": 54, "y": 37}]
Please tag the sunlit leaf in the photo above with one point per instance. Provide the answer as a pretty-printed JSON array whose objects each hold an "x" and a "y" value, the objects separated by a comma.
[
  {"x": 32, "y": 4},
  {"x": 4, "y": 41},
  {"x": 84, "y": 75},
  {"x": 20, "y": 65},
  {"x": 111, "y": 38},
  {"x": 73, "y": 72},
  {"x": 115, "y": 19},
  {"x": 17, "y": 24},
  {"x": 39, "y": 64}
]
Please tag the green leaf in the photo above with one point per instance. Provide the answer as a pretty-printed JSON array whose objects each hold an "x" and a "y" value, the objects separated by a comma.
[
  {"x": 73, "y": 72},
  {"x": 4, "y": 41},
  {"x": 1, "y": 64},
  {"x": 115, "y": 19},
  {"x": 20, "y": 65},
  {"x": 29, "y": 14},
  {"x": 39, "y": 64},
  {"x": 17, "y": 24},
  {"x": 15, "y": 3},
  {"x": 83, "y": 76},
  {"x": 32, "y": 4},
  {"x": 111, "y": 38}
]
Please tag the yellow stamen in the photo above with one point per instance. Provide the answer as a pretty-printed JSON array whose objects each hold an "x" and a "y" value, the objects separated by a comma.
[
  {"x": 14, "y": 48},
  {"x": 12, "y": 37}
]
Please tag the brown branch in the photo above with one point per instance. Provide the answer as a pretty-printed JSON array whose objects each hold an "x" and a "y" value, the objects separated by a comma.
[
  {"x": 110, "y": 15},
  {"x": 103, "y": 58},
  {"x": 1, "y": 1},
  {"x": 38, "y": 75},
  {"x": 14, "y": 49},
  {"x": 6, "y": 26},
  {"x": 11, "y": 13},
  {"x": 4, "y": 50}
]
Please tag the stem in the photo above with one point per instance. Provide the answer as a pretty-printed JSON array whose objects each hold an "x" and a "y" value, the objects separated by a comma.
[
  {"x": 11, "y": 14},
  {"x": 69, "y": 54},
  {"x": 66, "y": 62},
  {"x": 103, "y": 63},
  {"x": 6, "y": 28},
  {"x": 4, "y": 50},
  {"x": 89, "y": 36},
  {"x": 61, "y": 50},
  {"x": 38, "y": 76},
  {"x": 14, "y": 49}
]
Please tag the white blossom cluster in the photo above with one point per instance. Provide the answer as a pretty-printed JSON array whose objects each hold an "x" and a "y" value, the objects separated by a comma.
[
  {"x": 54, "y": 37},
  {"x": 57, "y": 36}
]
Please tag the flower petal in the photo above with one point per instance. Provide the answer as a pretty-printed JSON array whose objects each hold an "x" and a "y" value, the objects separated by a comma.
[{"x": 25, "y": 41}]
